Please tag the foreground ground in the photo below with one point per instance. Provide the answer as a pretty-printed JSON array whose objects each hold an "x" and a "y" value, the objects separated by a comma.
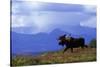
[{"x": 79, "y": 55}]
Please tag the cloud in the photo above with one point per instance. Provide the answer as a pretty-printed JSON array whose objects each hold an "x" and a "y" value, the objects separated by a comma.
[
  {"x": 90, "y": 9},
  {"x": 43, "y": 6},
  {"x": 44, "y": 17},
  {"x": 17, "y": 21},
  {"x": 24, "y": 7},
  {"x": 23, "y": 21},
  {"x": 90, "y": 22},
  {"x": 47, "y": 20}
]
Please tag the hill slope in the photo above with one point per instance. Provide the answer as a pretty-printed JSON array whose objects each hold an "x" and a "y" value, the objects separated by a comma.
[{"x": 79, "y": 55}]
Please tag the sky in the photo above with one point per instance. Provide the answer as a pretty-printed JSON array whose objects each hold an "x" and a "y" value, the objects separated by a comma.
[{"x": 44, "y": 17}]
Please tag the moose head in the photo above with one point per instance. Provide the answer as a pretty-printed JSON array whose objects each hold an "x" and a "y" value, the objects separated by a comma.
[{"x": 64, "y": 39}]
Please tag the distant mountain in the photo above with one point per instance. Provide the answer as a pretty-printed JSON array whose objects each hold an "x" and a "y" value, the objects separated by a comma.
[
  {"x": 35, "y": 43},
  {"x": 40, "y": 42}
]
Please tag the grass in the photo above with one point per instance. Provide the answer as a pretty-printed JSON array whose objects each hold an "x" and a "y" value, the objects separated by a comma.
[{"x": 79, "y": 55}]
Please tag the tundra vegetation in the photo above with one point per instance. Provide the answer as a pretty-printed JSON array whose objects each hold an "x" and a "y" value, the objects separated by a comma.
[{"x": 56, "y": 57}]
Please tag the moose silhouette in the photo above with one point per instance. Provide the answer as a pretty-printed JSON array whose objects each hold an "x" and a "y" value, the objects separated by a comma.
[{"x": 71, "y": 42}]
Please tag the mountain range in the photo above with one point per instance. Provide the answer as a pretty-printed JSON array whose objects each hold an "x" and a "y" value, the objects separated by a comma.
[{"x": 40, "y": 42}]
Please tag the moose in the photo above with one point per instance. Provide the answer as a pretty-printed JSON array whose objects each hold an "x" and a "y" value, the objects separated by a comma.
[{"x": 71, "y": 42}]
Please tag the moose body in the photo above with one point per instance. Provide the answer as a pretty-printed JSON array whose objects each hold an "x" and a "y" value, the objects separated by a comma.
[{"x": 71, "y": 42}]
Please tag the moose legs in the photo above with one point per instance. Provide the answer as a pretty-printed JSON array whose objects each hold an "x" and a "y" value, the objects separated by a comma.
[
  {"x": 71, "y": 50},
  {"x": 65, "y": 49},
  {"x": 68, "y": 48}
]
